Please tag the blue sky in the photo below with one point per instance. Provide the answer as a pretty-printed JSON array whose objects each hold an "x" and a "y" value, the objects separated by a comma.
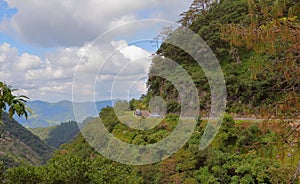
[
  {"x": 42, "y": 43},
  {"x": 5, "y": 10},
  {"x": 6, "y": 13}
]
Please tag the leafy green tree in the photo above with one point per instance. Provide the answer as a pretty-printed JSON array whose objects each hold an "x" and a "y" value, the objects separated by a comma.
[
  {"x": 222, "y": 167},
  {"x": 15, "y": 104},
  {"x": 25, "y": 174},
  {"x": 109, "y": 118}
]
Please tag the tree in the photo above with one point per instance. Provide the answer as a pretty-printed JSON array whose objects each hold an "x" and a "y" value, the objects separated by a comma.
[
  {"x": 197, "y": 7},
  {"x": 14, "y": 104},
  {"x": 272, "y": 30}
]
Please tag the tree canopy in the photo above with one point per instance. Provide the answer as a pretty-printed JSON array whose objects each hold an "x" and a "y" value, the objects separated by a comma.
[
  {"x": 272, "y": 30},
  {"x": 14, "y": 104}
]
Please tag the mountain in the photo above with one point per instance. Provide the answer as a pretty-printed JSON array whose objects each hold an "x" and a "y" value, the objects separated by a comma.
[
  {"x": 18, "y": 145},
  {"x": 45, "y": 114},
  {"x": 239, "y": 154},
  {"x": 57, "y": 135},
  {"x": 259, "y": 80}
]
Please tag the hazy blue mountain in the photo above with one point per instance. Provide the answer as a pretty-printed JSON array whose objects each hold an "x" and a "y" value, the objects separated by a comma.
[{"x": 47, "y": 114}]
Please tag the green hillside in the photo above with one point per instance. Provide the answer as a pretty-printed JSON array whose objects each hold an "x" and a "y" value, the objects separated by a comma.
[
  {"x": 257, "y": 45},
  {"x": 240, "y": 153},
  {"x": 18, "y": 145},
  {"x": 42, "y": 132},
  {"x": 57, "y": 135},
  {"x": 259, "y": 80}
]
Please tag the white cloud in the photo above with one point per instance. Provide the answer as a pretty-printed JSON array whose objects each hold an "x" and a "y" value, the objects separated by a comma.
[
  {"x": 66, "y": 25},
  {"x": 51, "y": 78},
  {"x": 69, "y": 23},
  {"x": 27, "y": 62},
  {"x": 133, "y": 53},
  {"x": 117, "y": 62},
  {"x": 121, "y": 21}
]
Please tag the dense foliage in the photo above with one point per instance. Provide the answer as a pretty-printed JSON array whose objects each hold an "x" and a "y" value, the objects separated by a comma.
[
  {"x": 14, "y": 104},
  {"x": 257, "y": 44},
  {"x": 240, "y": 153},
  {"x": 57, "y": 135},
  {"x": 20, "y": 145},
  {"x": 271, "y": 29}
]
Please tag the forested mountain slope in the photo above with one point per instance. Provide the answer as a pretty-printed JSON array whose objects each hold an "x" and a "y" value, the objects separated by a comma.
[
  {"x": 18, "y": 145},
  {"x": 261, "y": 79},
  {"x": 241, "y": 153},
  {"x": 256, "y": 43},
  {"x": 57, "y": 135}
]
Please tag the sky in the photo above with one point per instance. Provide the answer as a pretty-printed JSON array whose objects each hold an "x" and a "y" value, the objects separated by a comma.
[{"x": 81, "y": 50}]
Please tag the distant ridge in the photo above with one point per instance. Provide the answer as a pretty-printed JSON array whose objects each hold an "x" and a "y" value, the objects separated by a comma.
[{"x": 47, "y": 114}]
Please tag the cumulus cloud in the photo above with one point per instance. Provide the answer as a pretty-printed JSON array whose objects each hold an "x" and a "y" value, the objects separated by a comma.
[
  {"x": 69, "y": 23},
  {"x": 115, "y": 68},
  {"x": 51, "y": 78},
  {"x": 103, "y": 68},
  {"x": 121, "y": 21}
]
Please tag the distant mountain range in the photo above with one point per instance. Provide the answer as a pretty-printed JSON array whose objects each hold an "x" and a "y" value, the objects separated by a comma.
[{"x": 47, "y": 114}]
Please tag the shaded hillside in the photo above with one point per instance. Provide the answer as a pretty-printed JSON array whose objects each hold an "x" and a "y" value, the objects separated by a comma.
[
  {"x": 57, "y": 135},
  {"x": 20, "y": 145},
  {"x": 50, "y": 114}
]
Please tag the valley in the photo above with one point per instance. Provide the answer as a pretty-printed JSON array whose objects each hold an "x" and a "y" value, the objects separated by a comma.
[{"x": 225, "y": 110}]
